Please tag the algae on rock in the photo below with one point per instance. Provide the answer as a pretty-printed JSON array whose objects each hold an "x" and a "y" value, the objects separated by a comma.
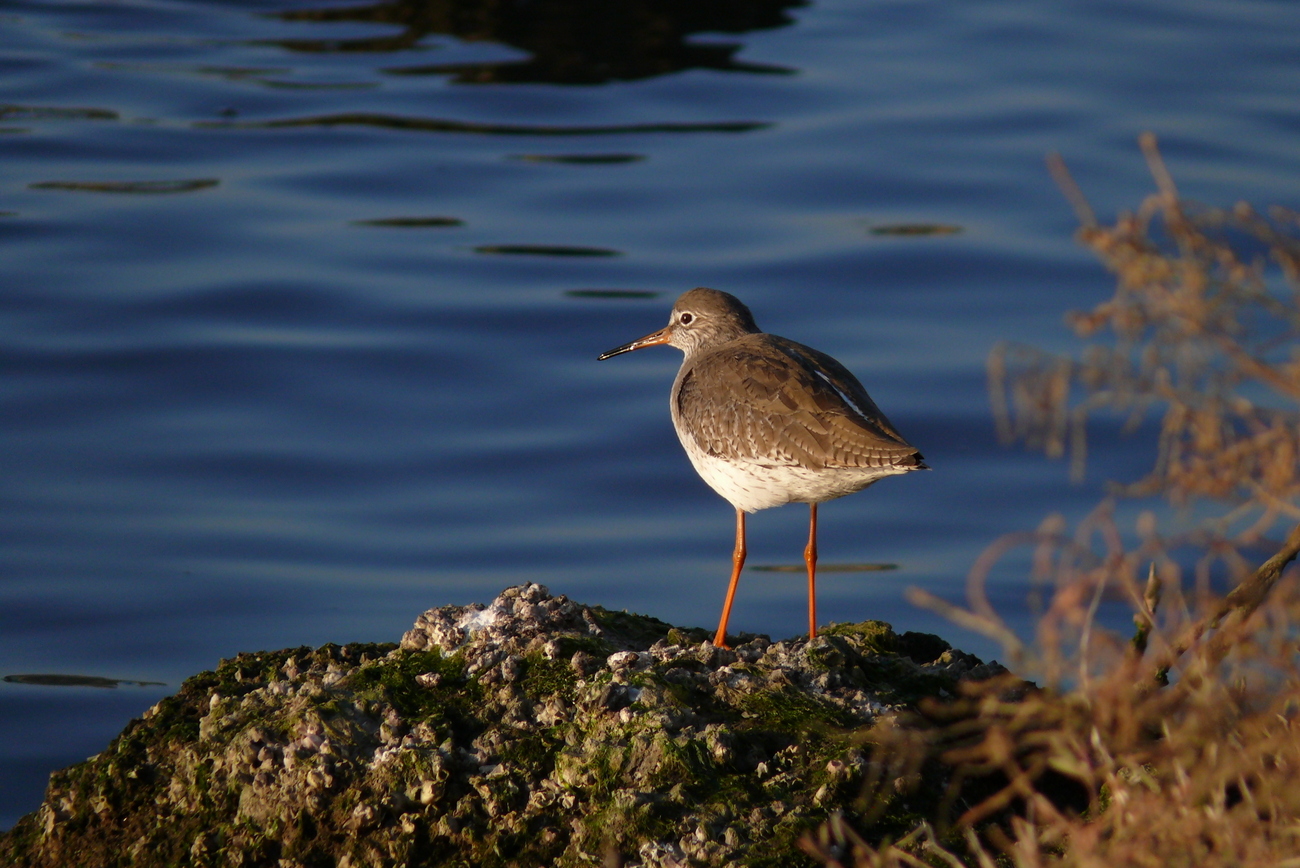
[{"x": 534, "y": 731}]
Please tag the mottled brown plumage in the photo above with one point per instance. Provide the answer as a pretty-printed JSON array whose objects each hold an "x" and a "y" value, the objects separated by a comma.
[
  {"x": 767, "y": 421},
  {"x": 786, "y": 404}
]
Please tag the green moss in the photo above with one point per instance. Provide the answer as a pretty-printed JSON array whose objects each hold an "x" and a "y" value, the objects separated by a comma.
[
  {"x": 394, "y": 678},
  {"x": 868, "y": 637},
  {"x": 244, "y": 843},
  {"x": 701, "y": 698},
  {"x": 606, "y": 764},
  {"x": 685, "y": 761},
  {"x": 790, "y": 711},
  {"x": 244, "y": 673},
  {"x": 625, "y": 821},
  {"x": 20, "y": 842},
  {"x": 641, "y": 630},
  {"x": 782, "y": 849},
  {"x": 544, "y": 678},
  {"x": 203, "y": 776},
  {"x": 175, "y": 721},
  {"x": 567, "y": 645},
  {"x": 680, "y": 636},
  {"x": 534, "y": 753},
  {"x": 872, "y": 655}
]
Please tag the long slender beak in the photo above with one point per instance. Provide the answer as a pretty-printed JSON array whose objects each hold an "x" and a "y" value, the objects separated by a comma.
[{"x": 653, "y": 339}]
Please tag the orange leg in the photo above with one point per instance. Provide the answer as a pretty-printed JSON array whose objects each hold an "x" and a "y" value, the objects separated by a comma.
[
  {"x": 810, "y": 558},
  {"x": 737, "y": 564}
]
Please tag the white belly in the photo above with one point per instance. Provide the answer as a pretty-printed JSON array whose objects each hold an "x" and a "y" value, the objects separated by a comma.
[{"x": 752, "y": 486}]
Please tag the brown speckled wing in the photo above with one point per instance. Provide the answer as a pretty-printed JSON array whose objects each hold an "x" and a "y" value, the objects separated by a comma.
[{"x": 766, "y": 399}]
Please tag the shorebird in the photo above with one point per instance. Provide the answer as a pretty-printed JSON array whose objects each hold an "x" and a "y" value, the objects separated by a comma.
[{"x": 767, "y": 421}]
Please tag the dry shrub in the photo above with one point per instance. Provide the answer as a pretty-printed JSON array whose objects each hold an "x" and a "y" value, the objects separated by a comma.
[
  {"x": 1203, "y": 325},
  {"x": 1181, "y": 749},
  {"x": 1178, "y": 745}
]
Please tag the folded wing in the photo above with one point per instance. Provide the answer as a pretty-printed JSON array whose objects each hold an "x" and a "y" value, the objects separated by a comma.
[{"x": 773, "y": 401}]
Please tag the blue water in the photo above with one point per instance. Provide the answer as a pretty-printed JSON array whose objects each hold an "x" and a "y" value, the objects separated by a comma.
[{"x": 234, "y": 414}]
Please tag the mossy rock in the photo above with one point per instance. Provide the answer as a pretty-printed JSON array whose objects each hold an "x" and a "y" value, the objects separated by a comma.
[{"x": 533, "y": 731}]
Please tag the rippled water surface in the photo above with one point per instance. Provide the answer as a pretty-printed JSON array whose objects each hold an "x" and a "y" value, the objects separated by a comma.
[{"x": 300, "y": 302}]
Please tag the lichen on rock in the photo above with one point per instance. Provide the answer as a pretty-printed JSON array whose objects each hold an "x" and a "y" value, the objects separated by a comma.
[{"x": 532, "y": 731}]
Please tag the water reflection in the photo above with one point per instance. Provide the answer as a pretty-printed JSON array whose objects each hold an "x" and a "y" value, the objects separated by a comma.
[
  {"x": 54, "y": 113},
  {"x": 916, "y": 229},
  {"x": 569, "y": 41},
  {"x": 443, "y": 125},
  {"x": 580, "y": 159},
  {"x": 412, "y": 222},
  {"x": 544, "y": 250},
  {"x": 184, "y": 185},
  {"x": 37, "y": 113}
]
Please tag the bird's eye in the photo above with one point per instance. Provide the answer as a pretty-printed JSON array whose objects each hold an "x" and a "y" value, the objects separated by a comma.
[{"x": 685, "y": 319}]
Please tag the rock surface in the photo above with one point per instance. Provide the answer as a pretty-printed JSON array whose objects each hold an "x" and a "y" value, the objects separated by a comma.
[{"x": 534, "y": 731}]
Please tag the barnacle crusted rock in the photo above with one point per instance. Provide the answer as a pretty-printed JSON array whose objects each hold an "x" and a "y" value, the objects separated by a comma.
[{"x": 532, "y": 731}]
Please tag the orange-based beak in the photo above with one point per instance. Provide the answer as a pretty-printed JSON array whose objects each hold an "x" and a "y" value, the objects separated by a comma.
[{"x": 653, "y": 339}]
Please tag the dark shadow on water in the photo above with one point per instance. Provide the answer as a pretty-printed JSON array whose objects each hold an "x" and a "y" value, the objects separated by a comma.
[
  {"x": 412, "y": 222},
  {"x": 77, "y": 681},
  {"x": 544, "y": 250},
  {"x": 145, "y": 187},
  {"x": 569, "y": 41},
  {"x": 916, "y": 229},
  {"x": 579, "y": 159},
  {"x": 442, "y": 125},
  {"x": 9, "y": 111}
]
